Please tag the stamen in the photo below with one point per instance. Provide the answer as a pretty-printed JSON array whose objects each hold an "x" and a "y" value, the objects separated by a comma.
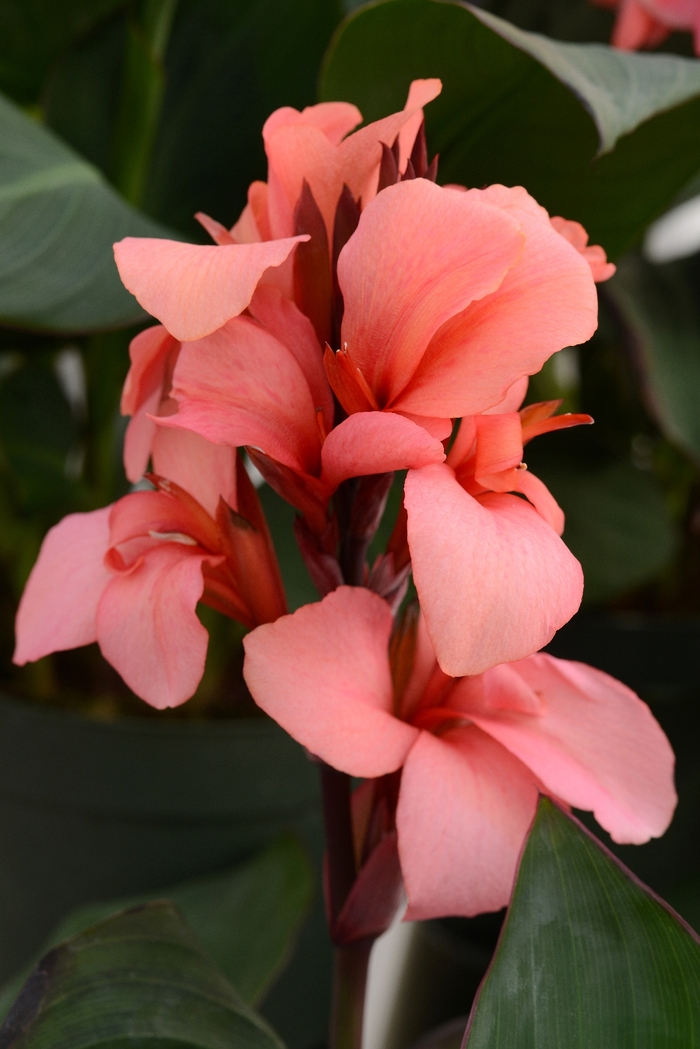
[{"x": 174, "y": 537}]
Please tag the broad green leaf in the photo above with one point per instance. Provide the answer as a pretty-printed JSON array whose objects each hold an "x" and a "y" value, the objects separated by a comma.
[
  {"x": 604, "y": 137},
  {"x": 139, "y": 979},
  {"x": 58, "y": 221},
  {"x": 589, "y": 958},
  {"x": 658, "y": 306},
  {"x": 247, "y": 919},
  {"x": 617, "y": 524},
  {"x": 34, "y": 32}
]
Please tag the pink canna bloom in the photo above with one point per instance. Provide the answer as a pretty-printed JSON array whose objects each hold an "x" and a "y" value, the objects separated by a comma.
[
  {"x": 647, "y": 23},
  {"x": 494, "y": 580},
  {"x": 130, "y": 576},
  {"x": 474, "y": 752}
]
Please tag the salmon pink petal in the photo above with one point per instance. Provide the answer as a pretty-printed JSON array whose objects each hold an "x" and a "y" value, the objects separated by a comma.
[
  {"x": 334, "y": 119},
  {"x": 574, "y": 232},
  {"x": 241, "y": 386},
  {"x": 148, "y": 629},
  {"x": 539, "y": 495},
  {"x": 499, "y": 443},
  {"x": 375, "y": 443},
  {"x": 513, "y": 398},
  {"x": 494, "y": 580},
  {"x": 464, "y": 809},
  {"x": 205, "y": 470},
  {"x": 440, "y": 429},
  {"x": 547, "y": 301},
  {"x": 59, "y": 603},
  {"x": 139, "y": 436},
  {"x": 149, "y": 352},
  {"x": 323, "y": 674},
  {"x": 636, "y": 27},
  {"x": 194, "y": 289},
  {"x": 291, "y": 327},
  {"x": 420, "y": 255},
  {"x": 420, "y": 93},
  {"x": 298, "y": 153},
  {"x": 596, "y": 745}
]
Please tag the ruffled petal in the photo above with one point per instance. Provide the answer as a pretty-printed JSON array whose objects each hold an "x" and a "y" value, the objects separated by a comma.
[
  {"x": 323, "y": 674},
  {"x": 547, "y": 301},
  {"x": 205, "y": 470},
  {"x": 374, "y": 443},
  {"x": 58, "y": 607},
  {"x": 241, "y": 386},
  {"x": 149, "y": 352},
  {"x": 289, "y": 325},
  {"x": 494, "y": 580},
  {"x": 464, "y": 810},
  {"x": 334, "y": 119},
  {"x": 419, "y": 256},
  {"x": 595, "y": 744},
  {"x": 194, "y": 289},
  {"x": 148, "y": 629}
]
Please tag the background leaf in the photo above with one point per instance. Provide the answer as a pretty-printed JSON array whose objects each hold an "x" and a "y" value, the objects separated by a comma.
[
  {"x": 588, "y": 957},
  {"x": 58, "y": 221},
  {"x": 141, "y": 979},
  {"x": 34, "y": 32},
  {"x": 247, "y": 919},
  {"x": 658, "y": 306},
  {"x": 507, "y": 115}
]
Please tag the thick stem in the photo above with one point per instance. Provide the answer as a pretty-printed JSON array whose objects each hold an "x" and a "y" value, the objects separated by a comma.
[
  {"x": 339, "y": 843},
  {"x": 349, "y": 983}
]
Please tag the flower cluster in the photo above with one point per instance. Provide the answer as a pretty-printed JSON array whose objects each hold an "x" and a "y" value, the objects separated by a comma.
[{"x": 357, "y": 320}]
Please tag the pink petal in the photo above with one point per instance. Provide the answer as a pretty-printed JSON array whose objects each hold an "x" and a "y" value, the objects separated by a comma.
[
  {"x": 241, "y": 386},
  {"x": 420, "y": 255},
  {"x": 636, "y": 27},
  {"x": 547, "y": 301},
  {"x": 148, "y": 629},
  {"x": 194, "y": 289},
  {"x": 420, "y": 93},
  {"x": 513, "y": 398},
  {"x": 59, "y": 603},
  {"x": 139, "y": 436},
  {"x": 289, "y": 326},
  {"x": 203, "y": 469},
  {"x": 494, "y": 580},
  {"x": 334, "y": 119},
  {"x": 539, "y": 495},
  {"x": 323, "y": 674},
  {"x": 499, "y": 443},
  {"x": 596, "y": 745},
  {"x": 374, "y": 443},
  {"x": 465, "y": 807},
  {"x": 149, "y": 352}
]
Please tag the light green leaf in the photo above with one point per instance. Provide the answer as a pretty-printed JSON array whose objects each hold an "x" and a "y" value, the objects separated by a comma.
[
  {"x": 138, "y": 979},
  {"x": 519, "y": 109},
  {"x": 620, "y": 89},
  {"x": 589, "y": 958},
  {"x": 58, "y": 221},
  {"x": 658, "y": 307},
  {"x": 247, "y": 919}
]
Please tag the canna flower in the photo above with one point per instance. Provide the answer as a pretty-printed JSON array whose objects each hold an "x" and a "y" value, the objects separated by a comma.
[
  {"x": 130, "y": 576},
  {"x": 647, "y": 23},
  {"x": 474, "y": 751}
]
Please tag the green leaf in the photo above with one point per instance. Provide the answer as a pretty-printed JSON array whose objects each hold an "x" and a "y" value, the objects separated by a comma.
[
  {"x": 658, "y": 307},
  {"x": 34, "y": 32},
  {"x": 58, "y": 221},
  {"x": 247, "y": 919},
  {"x": 617, "y": 524},
  {"x": 589, "y": 958},
  {"x": 520, "y": 109},
  {"x": 138, "y": 979}
]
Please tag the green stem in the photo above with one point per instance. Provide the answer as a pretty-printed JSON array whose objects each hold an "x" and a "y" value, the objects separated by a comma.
[
  {"x": 349, "y": 986},
  {"x": 143, "y": 87}
]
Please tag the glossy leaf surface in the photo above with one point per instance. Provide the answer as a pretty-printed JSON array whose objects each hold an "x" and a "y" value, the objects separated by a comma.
[
  {"x": 247, "y": 919},
  {"x": 58, "y": 221},
  {"x": 520, "y": 109},
  {"x": 140, "y": 978},
  {"x": 589, "y": 958}
]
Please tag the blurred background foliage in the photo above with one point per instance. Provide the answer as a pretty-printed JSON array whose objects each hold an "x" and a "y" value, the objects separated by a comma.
[{"x": 158, "y": 105}]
